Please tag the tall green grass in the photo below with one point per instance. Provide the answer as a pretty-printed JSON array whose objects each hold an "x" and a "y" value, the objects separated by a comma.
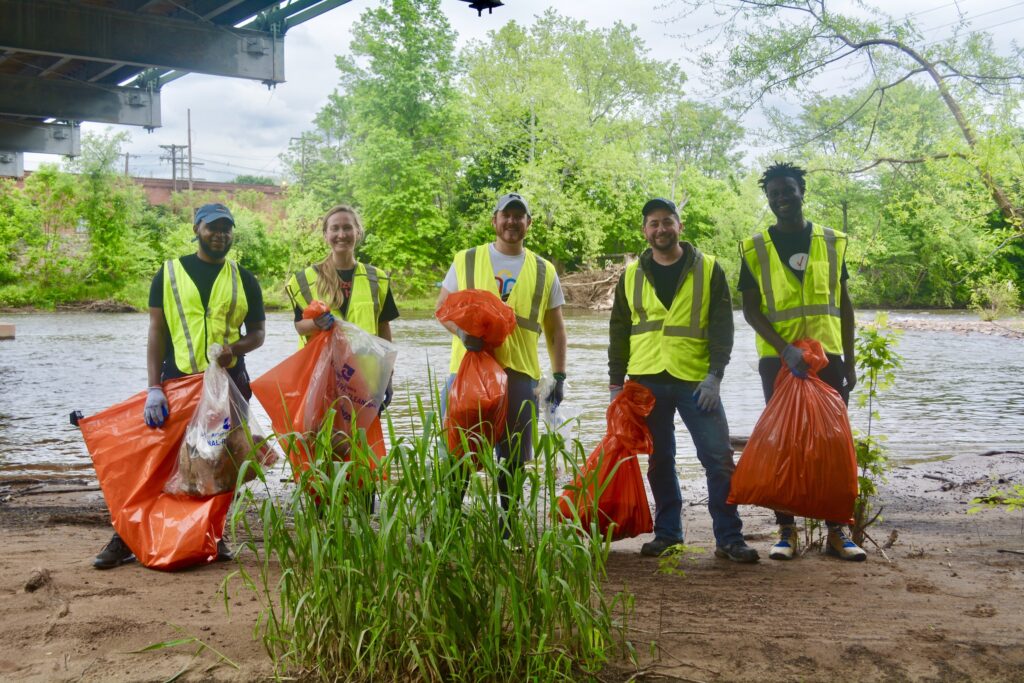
[{"x": 426, "y": 588}]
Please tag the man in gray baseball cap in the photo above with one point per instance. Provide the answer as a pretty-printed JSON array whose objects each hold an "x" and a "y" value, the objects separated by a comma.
[{"x": 529, "y": 284}]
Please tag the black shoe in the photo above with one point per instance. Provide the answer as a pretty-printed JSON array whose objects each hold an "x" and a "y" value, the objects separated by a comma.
[
  {"x": 114, "y": 554},
  {"x": 737, "y": 552},
  {"x": 224, "y": 553},
  {"x": 656, "y": 547}
]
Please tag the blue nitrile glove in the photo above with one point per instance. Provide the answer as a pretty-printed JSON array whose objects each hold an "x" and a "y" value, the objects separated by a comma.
[
  {"x": 613, "y": 391},
  {"x": 470, "y": 342},
  {"x": 156, "y": 410},
  {"x": 794, "y": 358},
  {"x": 557, "y": 393},
  {"x": 708, "y": 393},
  {"x": 325, "y": 321}
]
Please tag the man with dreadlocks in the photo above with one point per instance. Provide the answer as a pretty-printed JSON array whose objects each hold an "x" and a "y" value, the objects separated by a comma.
[{"x": 792, "y": 276}]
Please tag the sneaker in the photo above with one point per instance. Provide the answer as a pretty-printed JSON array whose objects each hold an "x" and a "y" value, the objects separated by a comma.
[
  {"x": 114, "y": 554},
  {"x": 785, "y": 548},
  {"x": 842, "y": 546},
  {"x": 224, "y": 553},
  {"x": 659, "y": 545},
  {"x": 737, "y": 552}
]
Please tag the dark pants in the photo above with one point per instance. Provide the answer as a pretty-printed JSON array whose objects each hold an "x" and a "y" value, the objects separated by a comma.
[{"x": 834, "y": 375}]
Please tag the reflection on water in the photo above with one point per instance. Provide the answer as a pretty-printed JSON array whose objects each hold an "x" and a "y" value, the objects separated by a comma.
[{"x": 956, "y": 393}]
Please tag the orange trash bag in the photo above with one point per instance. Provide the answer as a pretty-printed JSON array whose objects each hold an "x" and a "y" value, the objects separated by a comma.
[
  {"x": 344, "y": 368},
  {"x": 477, "y": 402},
  {"x": 622, "y": 505},
  {"x": 134, "y": 461},
  {"x": 800, "y": 458}
]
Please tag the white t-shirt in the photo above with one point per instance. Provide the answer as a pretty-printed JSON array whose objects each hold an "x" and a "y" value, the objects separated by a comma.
[{"x": 506, "y": 271}]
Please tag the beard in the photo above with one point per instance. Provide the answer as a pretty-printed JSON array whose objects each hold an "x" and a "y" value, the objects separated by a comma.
[{"x": 212, "y": 252}]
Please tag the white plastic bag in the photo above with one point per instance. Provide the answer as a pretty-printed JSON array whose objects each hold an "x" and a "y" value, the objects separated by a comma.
[
  {"x": 561, "y": 419},
  {"x": 221, "y": 435}
]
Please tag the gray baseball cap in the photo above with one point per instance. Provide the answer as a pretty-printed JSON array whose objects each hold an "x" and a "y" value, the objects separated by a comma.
[{"x": 506, "y": 200}]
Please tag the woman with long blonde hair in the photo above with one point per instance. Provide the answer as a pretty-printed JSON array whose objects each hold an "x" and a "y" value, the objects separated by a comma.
[{"x": 356, "y": 292}]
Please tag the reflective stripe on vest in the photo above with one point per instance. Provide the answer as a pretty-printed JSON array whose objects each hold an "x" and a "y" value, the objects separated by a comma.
[
  {"x": 528, "y": 299},
  {"x": 659, "y": 341},
  {"x": 189, "y": 341},
  {"x": 801, "y": 309},
  {"x": 303, "y": 290}
]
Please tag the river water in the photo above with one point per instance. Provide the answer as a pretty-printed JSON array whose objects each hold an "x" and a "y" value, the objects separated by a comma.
[{"x": 956, "y": 393}]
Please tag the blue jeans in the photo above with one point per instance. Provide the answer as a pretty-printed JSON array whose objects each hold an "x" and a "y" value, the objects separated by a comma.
[{"x": 710, "y": 434}]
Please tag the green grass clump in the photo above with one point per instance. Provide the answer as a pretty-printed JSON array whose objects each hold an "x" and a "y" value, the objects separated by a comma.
[{"x": 426, "y": 588}]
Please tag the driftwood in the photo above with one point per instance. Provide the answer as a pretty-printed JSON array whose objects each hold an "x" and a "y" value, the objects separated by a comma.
[{"x": 593, "y": 289}]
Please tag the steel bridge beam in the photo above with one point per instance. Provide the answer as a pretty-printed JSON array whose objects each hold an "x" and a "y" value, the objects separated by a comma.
[
  {"x": 65, "y": 29},
  {"x": 44, "y": 138},
  {"x": 78, "y": 101}
]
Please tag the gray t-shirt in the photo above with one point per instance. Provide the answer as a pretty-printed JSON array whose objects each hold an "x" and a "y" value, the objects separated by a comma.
[{"x": 506, "y": 272}]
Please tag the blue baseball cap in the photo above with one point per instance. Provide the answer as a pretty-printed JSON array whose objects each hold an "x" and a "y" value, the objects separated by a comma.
[{"x": 208, "y": 213}]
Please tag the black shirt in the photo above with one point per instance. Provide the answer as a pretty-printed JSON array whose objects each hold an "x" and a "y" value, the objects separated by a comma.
[
  {"x": 667, "y": 280},
  {"x": 204, "y": 274},
  {"x": 388, "y": 310},
  {"x": 792, "y": 248}
]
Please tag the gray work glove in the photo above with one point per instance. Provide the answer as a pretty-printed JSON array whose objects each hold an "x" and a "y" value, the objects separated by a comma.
[
  {"x": 325, "y": 321},
  {"x": 794, "y": 358},
  {"x": 156, "y": 410},
  {"x": 708, "y": 393},
  {"x": 557, "y": 393},
  {"x": 470, "y": 342},
  {"x": 613, "y": 391}
]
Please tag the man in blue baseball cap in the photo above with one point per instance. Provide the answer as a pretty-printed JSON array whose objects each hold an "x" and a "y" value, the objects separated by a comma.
[{"x": 194, "y": 301}]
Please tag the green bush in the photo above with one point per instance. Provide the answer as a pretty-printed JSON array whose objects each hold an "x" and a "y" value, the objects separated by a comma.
[{"x": 994, "y": 298}]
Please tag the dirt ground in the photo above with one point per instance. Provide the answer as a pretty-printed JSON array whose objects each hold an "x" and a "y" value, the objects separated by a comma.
[{"x": 945, "y": 603}]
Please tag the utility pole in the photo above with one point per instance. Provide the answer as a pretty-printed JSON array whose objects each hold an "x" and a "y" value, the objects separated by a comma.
[
  {"x": 126, "y": 157},
  {"x": 172, "y": 156}
]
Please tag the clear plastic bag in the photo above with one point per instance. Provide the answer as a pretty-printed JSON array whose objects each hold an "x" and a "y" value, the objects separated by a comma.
[
  {"x": 221, "y": 435},
  {"x": 562, "y": 420},
  {"x": 351, "y": 375}
]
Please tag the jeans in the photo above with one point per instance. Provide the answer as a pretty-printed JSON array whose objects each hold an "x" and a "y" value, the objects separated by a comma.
[
  {"x": 833, "y": 374},
  {"x": 516, "y": 446},
  {"x": 710, "y": 434}
]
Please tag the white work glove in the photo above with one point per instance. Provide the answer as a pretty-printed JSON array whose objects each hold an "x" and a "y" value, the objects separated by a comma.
[
  {"x": 794, "y": 358},
  {"x": 613, "y": 391},
  {"x": 156, "y": 410},
  {"x": 708, "y": 393}
]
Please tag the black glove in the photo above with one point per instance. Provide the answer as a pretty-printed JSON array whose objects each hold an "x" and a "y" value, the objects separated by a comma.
[
  {"x": 557, "y": 393},
  {"x": 470, "y": 342},
  {"x": 389, "y": 394}
]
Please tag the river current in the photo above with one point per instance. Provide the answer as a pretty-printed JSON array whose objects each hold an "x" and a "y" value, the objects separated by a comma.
[{"x": 956, "y": 393}]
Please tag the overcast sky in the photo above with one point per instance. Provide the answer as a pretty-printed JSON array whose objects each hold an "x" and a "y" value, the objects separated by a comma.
[{"x": 240, "y": 127}]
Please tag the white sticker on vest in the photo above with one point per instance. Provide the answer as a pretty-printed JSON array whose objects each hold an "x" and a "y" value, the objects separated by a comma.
[{"x": 798, "y": 261}]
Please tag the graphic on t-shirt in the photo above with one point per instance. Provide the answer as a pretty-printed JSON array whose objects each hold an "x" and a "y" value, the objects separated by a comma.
[
  {"x": 798, "y": 261},
  {"x": 346, "y": 289},
  {"x": 504, "y": 281}
]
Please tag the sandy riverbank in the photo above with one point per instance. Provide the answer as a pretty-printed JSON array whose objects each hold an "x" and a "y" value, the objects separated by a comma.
[{"x": 945, "y": 605}]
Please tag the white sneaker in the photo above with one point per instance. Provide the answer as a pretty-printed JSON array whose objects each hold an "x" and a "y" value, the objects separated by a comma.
[
  {"x": 785, "y": 548},
  {"x": 842, "y": 546}
]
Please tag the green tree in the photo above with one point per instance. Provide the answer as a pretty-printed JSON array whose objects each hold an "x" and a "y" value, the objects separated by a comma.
[{"x": 254, "y": 180}]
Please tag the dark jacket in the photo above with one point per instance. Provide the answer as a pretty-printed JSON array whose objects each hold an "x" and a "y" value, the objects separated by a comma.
[{"x": 720, "y": 324}]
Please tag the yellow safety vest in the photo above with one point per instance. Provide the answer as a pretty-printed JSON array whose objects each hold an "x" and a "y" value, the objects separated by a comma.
[
  {"x": 799, "y": 309},
  {"x": 676, "y": 339},
  {"x": 369, "y": 289},
  {"x": 191, "y": 326},
  {"x": 529, "y": 299}
]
